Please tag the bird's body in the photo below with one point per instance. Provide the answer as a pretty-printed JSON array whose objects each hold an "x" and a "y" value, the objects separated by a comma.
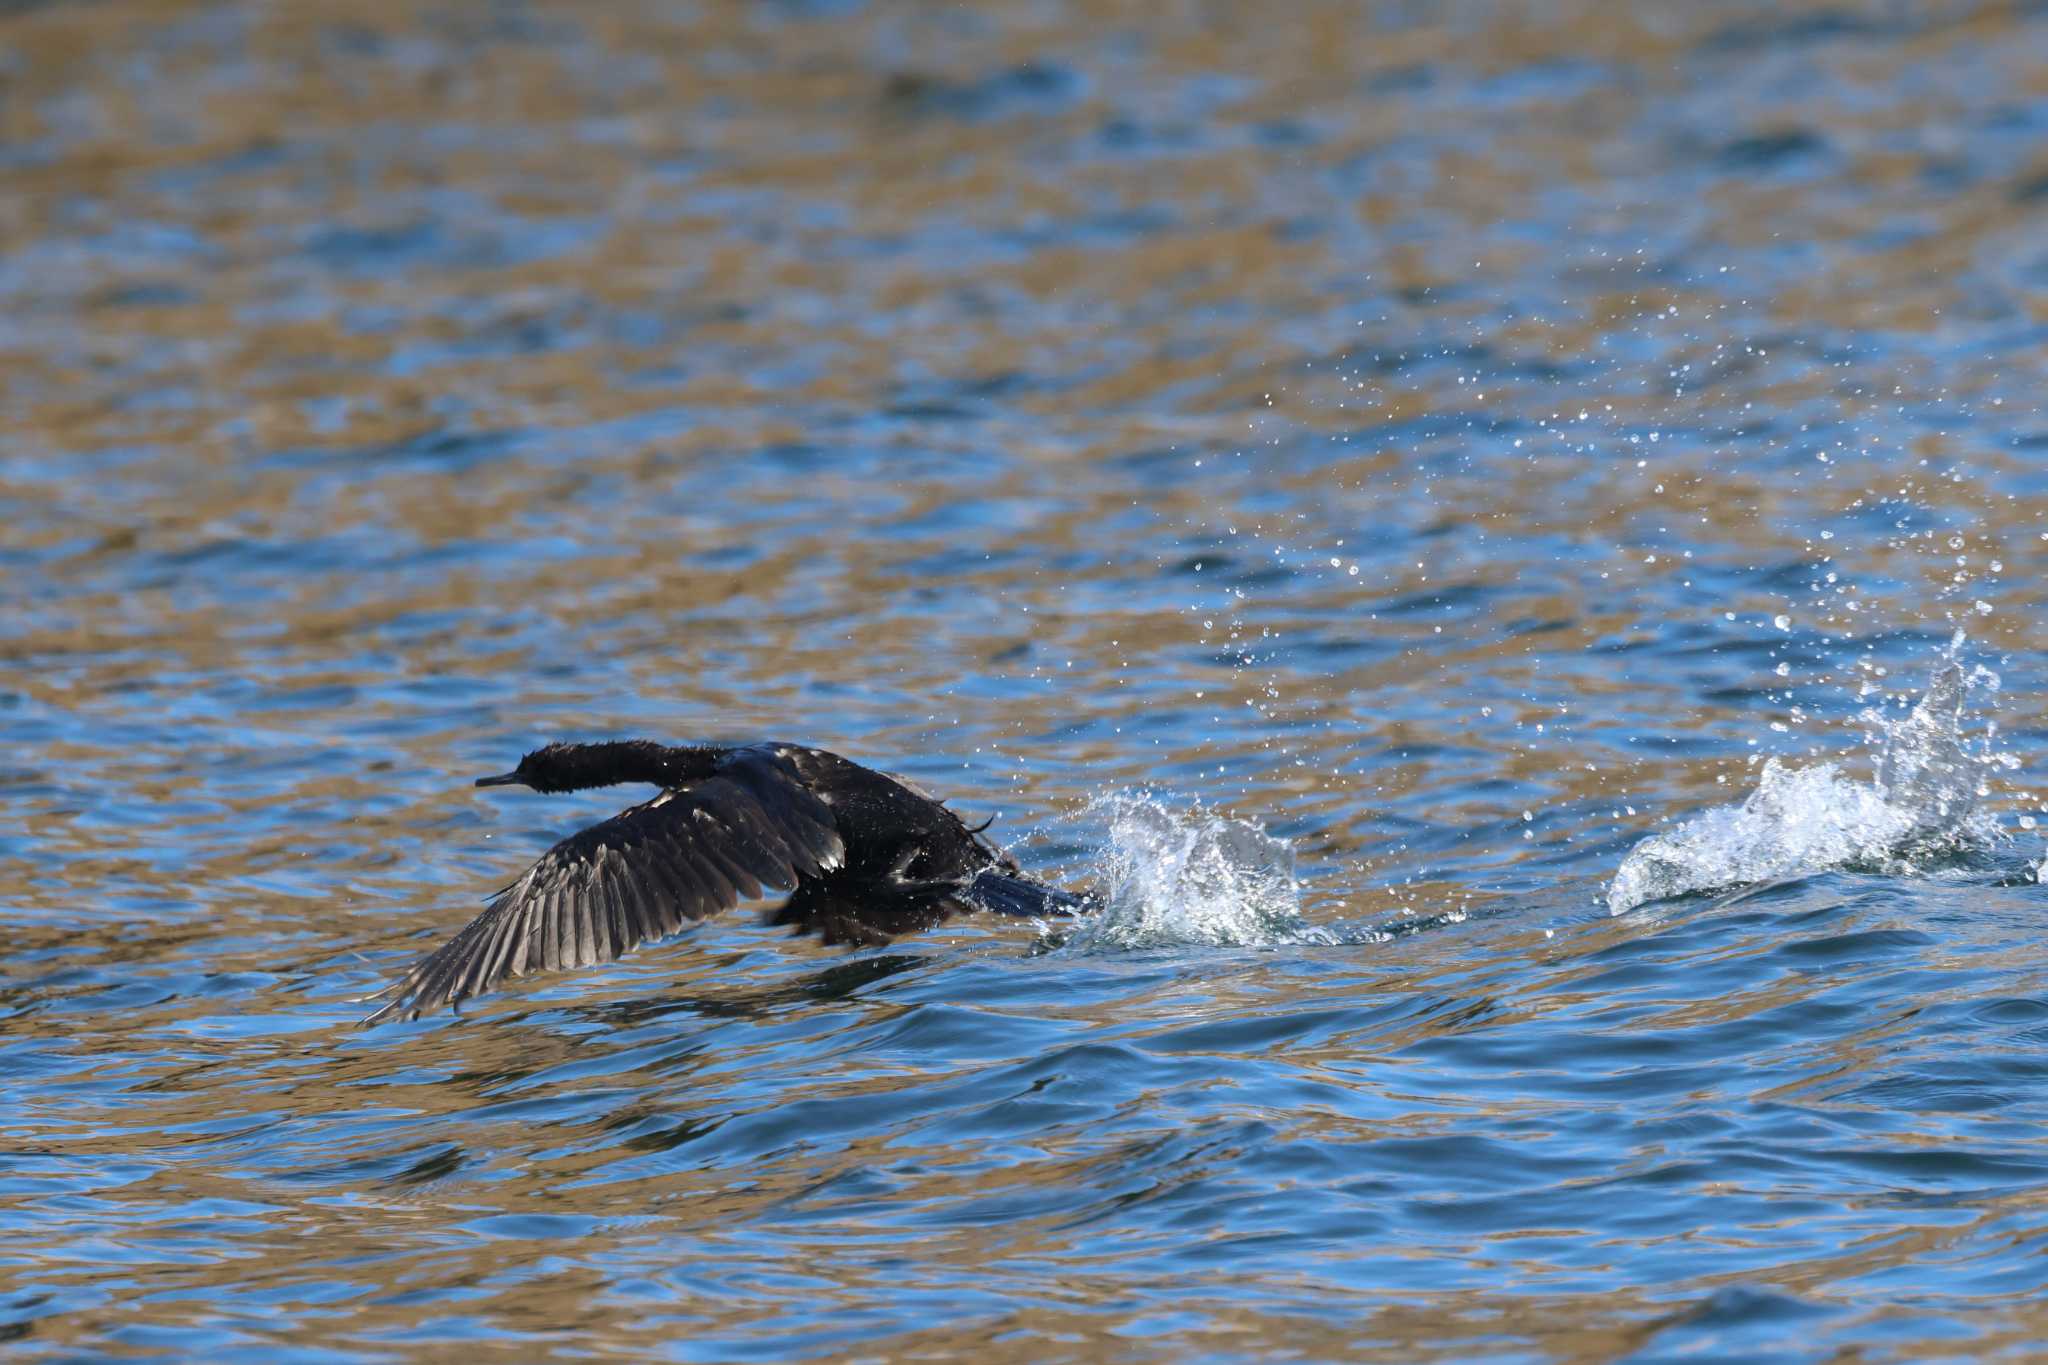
[{"x": 866, "y": 856}]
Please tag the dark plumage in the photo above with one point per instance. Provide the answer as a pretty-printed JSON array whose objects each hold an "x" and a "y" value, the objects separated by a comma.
[{"x": 866, "y": 857}]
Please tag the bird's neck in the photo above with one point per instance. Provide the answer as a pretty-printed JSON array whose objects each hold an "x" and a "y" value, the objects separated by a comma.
[{"x": 631, "y": 760}]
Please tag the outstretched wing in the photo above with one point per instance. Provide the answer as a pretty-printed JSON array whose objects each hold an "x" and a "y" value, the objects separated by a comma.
[{"x": 644, "y": 873}]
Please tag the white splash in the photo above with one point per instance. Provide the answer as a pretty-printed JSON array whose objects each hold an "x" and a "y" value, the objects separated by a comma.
[
  {"x": 1178, "y": 876},
  {"x": 1920, "y": 804}
]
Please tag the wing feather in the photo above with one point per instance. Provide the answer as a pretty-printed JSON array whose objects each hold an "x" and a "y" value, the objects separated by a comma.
[
  {"x": 686, "y": 855},
  {"x": 469, "y": 968},
  {"x": 497, "y": 963},
  {"x": 718, "y": 852},
  {"x": 676, "y": 888},
  {"x": 622, "y": 928},
  {"x": 594, "y": 930},
  {"x": 593, "y": 909},
  {"x": 762, "y": 849},
  {"x": 638, "y": 920},
  {"x": 664, "y": 892},
  {"x": 543, "y": 926}
]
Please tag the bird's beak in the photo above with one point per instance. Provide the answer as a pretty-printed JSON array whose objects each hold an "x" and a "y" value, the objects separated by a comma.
[{"x": 501, "y": 780}]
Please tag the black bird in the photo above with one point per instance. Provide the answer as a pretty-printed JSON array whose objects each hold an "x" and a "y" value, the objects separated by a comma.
[{"x": 866, "y": 856}]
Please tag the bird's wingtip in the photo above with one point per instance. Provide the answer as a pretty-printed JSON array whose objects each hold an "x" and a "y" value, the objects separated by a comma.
[{"x": 396, "y": 989}]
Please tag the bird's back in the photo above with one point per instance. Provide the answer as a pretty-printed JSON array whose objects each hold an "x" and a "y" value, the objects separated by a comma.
[{"x": 880, "y": 817}]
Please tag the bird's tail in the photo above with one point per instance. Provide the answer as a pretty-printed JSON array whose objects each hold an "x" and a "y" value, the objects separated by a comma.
[{"x": 1004, "y": 894}]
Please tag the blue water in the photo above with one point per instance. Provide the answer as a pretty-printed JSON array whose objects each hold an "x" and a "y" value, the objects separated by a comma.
[{"x": 1339, "y": 481}]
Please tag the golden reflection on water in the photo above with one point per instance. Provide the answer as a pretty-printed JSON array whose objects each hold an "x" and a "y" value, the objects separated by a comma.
[{"x": 377, "y": 385}]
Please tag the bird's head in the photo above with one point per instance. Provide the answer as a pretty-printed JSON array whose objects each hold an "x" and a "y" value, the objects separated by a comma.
[
  {"x": 573, "y": 767},
  {"x": 550, "y": 768}
]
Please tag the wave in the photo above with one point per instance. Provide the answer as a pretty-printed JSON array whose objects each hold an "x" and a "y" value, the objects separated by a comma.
[
  {"x": 1919, "y": 807},
  {"x": 1183, "y": 875}
]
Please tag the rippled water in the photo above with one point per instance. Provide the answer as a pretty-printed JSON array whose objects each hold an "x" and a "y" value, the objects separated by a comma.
[{"x": 1340, "y": 480}]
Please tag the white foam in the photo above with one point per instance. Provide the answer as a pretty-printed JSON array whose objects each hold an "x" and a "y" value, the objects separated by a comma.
[
  {"x": 1184, "y": 875},
  {"x": 1920, "y": 804}
]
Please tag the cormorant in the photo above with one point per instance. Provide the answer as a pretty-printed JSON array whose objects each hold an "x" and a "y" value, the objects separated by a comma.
[{"x": 866, "y": 857}]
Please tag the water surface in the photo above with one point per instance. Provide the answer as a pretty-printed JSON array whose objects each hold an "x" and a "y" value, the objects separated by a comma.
[{"x": 1460, "y": 442}]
